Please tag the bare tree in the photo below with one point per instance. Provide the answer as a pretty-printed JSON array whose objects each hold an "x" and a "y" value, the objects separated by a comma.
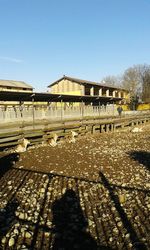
[
  {"x": 144, "y": 75},
  {"x": 136, "y": 80},
  {"x": 131, "y": 81},
  {"x": 112, "y": 81}
]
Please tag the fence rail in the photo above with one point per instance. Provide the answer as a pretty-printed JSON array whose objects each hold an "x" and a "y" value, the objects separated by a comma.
[
  {"x": 28, "y": 113},
  {"x": 16, "y": 113}
]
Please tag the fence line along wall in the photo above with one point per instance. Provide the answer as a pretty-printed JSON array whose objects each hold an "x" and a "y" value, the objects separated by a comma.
[{"x": 16, "y": 113}]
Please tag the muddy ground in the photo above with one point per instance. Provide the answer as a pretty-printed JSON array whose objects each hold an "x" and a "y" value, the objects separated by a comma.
[{"x": 91, "y": 194}]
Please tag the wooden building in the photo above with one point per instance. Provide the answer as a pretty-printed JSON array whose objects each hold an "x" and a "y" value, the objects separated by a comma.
[
  {"x": 17, "y": 86},
  {"x": 73, "y": 86}
]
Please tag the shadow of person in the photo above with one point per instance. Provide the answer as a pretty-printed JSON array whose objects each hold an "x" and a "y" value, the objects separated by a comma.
[
  {"x": 142, "y": 157},
  {"x": 6, "y": 162},
  {"x": 70, "y": 225}
]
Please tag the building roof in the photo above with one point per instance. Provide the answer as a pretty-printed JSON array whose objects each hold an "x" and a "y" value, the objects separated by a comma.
[
  {"x": 84, "y": 82},
  {"x": 14, "y": 84},
  {"x": 47, "y": 97}
]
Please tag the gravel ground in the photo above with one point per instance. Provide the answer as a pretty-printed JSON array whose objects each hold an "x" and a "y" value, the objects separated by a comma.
[{"x": 91, "y": 194}]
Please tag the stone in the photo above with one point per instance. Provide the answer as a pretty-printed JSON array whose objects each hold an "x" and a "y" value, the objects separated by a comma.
[
  {"x": 16, "y": 231},
  {"x": 122, "y": 198},
  {"x": 136, "y": 130},
  {"x": 28, "y": 235},
  {"x": 42, "y": 190},
  {"x": 22, "y": 216},
  {"x": 3, "y": 240},
  {"x": 119, "y": 224},
  {"x": 147, "y": 185},
  {"x": 11, "y": 242}
]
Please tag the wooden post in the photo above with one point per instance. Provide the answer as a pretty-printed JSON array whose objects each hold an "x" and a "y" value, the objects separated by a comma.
[
  {"x": 33, "y": 111},
  {"x": 107, "y": 127},
  {"x": 102, "y": 128},
  {"x": 113, "y": 109},
  {"x": 93, "y": 129},
  {"x": 99, "y": 106},
  {"x": 61, "y": 110},
  {"x": 33, "y": 114},
  {"x": 82, "y": 110}
]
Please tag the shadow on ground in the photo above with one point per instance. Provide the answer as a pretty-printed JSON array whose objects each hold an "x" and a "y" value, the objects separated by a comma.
[
  {"x": 70, "y": 225},
  {"x": 142, "y": 157},
  {"x": 69, "y": 228},
  {"x": 6, "y": 162},
  {"x": 137, "y": 244},
  {"x": 7, "y": 217}
]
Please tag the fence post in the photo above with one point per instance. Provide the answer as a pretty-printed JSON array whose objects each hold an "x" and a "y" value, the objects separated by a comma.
[
  {"x": 82, "y": 109},
  {"x": 113, "y": 110},
  {"x": 33, "y": 114},
  {"x": 99, "y": 106},
  {"x": 61, "y": 110}
]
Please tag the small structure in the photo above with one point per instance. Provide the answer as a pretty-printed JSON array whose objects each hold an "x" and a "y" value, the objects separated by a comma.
[
  {"x": 17, "y": 86},
  {"x": 10, "y": 86}
]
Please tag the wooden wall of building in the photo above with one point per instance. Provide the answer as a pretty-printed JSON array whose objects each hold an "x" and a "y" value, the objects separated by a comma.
[{"x": 67, "y": 87}]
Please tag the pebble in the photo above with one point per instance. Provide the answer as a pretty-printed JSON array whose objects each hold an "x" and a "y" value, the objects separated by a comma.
[
  {"x": 115, "y": 230},
  {"x": 3, "y": 240},
  {"x": 47, "y": 234},
  {"x": 22, "y": 216},
  {"x": 147, "y": 185},
  {"x": 119, "y": 224},
  {"x": 16, "y": 231},
  {"x": 22, "y": 247},
  {"x": 23, "y": 229},
  {"x": 11, "y": 242},
  {"x": 28, "y": 235},
  {"x": 122, "y": 198}
]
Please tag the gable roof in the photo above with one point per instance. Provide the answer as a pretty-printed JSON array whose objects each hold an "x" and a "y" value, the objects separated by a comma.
[
  {"x": 14, "y": 84},
  {"x": 84, "y": 82}
]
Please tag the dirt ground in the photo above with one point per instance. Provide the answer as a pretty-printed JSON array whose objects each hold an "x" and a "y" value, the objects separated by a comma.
[{"x": 91, "y": 194}]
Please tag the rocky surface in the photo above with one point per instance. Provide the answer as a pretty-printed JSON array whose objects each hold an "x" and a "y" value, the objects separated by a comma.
[{"x": 91, "y": 194}]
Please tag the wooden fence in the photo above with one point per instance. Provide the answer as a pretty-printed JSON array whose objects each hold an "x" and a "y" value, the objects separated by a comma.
[{"x": 42, "y": 130}]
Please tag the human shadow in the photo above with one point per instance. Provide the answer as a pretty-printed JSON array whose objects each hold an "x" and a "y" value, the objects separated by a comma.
[
  {"x": 6, "y": 162},
  {"x": 137, "y": 244},
  {"x": 142, "y": 157},
  {"x": 70, "y": 225}
]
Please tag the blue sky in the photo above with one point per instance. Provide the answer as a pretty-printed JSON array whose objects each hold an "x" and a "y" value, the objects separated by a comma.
[{"x": 41, "y": 40}]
